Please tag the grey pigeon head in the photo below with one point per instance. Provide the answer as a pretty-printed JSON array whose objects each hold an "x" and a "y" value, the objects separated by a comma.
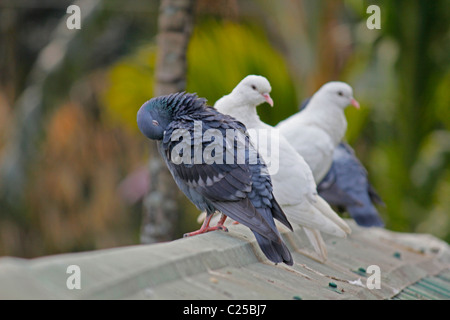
[{"x": 155, "y": 115}]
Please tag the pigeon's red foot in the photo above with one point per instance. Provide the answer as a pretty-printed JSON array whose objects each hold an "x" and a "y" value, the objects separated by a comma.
[{"x": 206, "y": 228}]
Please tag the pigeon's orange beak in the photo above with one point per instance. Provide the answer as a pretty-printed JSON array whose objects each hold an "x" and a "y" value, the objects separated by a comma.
[
  {"x": 354, "y": 103},
  {"x": 268, "y": 99}
]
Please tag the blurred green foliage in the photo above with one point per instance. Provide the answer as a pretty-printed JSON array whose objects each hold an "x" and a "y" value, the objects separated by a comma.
[{"x": 130, "y": 84}]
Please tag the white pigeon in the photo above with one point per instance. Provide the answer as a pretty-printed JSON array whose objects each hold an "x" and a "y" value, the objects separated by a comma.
[
  {"x": 317, "y": 130},
  {"x": 293, "y": 183}
]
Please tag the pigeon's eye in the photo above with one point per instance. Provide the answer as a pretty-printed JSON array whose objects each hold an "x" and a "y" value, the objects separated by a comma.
[
  {"x": 340, "y": 93},
  {"x": 155, "y": 123},
  {"x": 253, "y": 87}
]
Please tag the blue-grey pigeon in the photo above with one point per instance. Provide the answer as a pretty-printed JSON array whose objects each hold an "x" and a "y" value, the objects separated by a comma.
[{"x": 236, "y": 184}]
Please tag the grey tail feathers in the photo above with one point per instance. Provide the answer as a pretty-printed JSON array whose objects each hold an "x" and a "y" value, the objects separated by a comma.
[
  {"x": 279, "y": 214},
  {"x": 365, "y": 216},
  {"x": 275, "y": 252}
]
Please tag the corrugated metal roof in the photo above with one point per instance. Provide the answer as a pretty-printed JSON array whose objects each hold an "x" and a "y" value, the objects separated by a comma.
[
  {"x": 230, "y": 265},
  {"x": 429, "y": 288}
]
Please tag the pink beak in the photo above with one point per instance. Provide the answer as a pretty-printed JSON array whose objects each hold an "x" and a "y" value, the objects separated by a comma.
[
  {"x": 268, "y": 99},
  {"x": 354, "y": 103}
]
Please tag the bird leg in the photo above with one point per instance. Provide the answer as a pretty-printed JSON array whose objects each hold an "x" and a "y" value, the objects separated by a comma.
[
  {"x": 206, "y": 228},
  {"x": 220, "y": 225}
]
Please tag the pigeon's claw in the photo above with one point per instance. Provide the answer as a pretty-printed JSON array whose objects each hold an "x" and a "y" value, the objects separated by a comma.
[
  {"x": 220, "y": 225},
  {"x": 206, "y": 228}
]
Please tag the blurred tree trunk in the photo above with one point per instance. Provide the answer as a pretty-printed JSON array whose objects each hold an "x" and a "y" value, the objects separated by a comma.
[{"x": 162, "y": 206}]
